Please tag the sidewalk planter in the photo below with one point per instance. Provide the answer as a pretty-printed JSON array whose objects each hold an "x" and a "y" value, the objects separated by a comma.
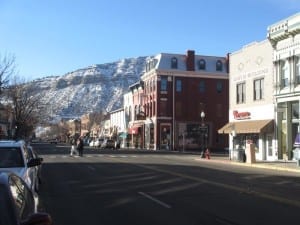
[{"x": 250, "y": 153}]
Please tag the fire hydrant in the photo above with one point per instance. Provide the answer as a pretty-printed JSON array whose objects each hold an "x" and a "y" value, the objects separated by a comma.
[{"x": 207, "y": 154}]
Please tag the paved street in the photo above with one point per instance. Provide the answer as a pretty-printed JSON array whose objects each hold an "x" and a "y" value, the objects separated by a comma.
[{"x": 132, "y": 187}]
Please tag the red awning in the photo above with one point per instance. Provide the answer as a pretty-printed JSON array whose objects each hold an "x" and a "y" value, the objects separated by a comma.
[{"x": 133, "y": 130}]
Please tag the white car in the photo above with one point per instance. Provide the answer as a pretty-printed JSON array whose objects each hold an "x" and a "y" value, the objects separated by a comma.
[
  {"x": 92, "y": 143},
  {"x": 96, "y": 143},
  {"x": 16, "y": 157}
]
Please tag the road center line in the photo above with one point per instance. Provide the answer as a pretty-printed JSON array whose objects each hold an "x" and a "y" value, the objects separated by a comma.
[
  {"x": 91, "y": 168},
  {"x": 155, "y": 200}
]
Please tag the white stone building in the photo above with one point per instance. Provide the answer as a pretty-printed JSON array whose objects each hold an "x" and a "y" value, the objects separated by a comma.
[{"x": 285, "y": 39}]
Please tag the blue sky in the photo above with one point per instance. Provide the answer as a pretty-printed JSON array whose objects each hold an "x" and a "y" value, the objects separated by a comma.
[{"x": 53, "y": 37}]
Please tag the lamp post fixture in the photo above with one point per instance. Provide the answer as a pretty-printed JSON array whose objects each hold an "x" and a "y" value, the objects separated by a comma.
[{"x": 202, "y": 115}]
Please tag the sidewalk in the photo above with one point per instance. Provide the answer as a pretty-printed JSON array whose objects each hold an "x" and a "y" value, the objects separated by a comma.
[{"x": 281, "y": 165}]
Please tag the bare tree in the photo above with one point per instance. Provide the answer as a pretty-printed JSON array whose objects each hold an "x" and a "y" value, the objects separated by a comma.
[
  {"x": 25, "y": 104},
  {"x": 7, "y": 69},
  {"x": 95, "y": 119}
]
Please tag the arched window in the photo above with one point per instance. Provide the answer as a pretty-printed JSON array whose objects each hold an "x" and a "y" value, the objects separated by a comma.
[
  {"x": 219, "y": 65},
  {"x": 174, "y": 63},
  {"x": 201, "y": 64}
]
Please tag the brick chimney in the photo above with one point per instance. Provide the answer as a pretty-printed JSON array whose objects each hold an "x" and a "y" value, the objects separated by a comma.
[{"x": 190, "y": 60}]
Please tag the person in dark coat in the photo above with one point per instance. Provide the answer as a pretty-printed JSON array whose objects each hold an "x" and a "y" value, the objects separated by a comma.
[{"x": 80, "y": 146}]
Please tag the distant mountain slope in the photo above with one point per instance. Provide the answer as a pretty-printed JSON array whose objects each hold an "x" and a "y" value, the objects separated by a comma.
[{"x": 95, "y": 88}]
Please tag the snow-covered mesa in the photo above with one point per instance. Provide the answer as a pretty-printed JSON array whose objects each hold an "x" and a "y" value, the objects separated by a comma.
[{"x": 97, "y": 88}]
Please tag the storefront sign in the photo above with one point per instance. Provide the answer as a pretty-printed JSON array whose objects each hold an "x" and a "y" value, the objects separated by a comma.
[
  {"x": 241, "y": 115},
  {"x": 251, "y": 75}
]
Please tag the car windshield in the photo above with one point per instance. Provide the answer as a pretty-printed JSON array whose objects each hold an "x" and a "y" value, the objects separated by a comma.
[{"x": 10, "y": 157}]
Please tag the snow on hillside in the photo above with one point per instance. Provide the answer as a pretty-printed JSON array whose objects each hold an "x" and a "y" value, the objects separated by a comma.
[{"x": 95, "y": 88}]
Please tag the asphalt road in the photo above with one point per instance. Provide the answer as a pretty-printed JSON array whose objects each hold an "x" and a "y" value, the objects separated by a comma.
[{"x": 134, "y": 188}]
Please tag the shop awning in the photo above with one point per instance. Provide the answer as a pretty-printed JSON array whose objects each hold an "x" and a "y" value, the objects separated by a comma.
[
  {"x": 122, "y": 135},
  {"x": 133, "y": 130},
  {"x": 249, "y": 126}
]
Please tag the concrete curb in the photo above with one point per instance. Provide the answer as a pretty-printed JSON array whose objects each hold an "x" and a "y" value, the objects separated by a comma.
[{"x": 280, "y": 167}]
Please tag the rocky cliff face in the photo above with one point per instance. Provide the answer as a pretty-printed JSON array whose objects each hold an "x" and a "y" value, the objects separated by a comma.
[{"x": 95, "y": 88}]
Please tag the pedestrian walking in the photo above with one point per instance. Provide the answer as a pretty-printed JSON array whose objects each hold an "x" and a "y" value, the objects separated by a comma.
[
  {"x": 80, "y": 146},
  {"x": 73, "y": 149}
]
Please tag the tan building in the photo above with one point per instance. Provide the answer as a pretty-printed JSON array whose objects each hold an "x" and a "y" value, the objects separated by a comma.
[{"x": 251, "y": 108}]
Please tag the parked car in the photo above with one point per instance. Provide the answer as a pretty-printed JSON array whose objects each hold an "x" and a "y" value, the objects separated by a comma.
[
  {"x": 16, "y": 157},
  {"x": 38, "y": 167},
  {"x": 53, "y": 141},
  {"x": 108, "y": 143},
  {"x": 99, "y": 142},
  {"x": 18, "y": 206},
  {"x": 96, "y": 143},
  {"x": 91, "y": 143}
]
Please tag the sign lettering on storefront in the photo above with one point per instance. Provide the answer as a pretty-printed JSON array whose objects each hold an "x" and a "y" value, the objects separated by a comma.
[{"x": 249, "y": 75}]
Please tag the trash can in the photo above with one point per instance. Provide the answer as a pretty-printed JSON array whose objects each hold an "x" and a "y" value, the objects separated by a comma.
[
  {"x": 239, "y": 155},
  {"x": 296, "y": 155}
]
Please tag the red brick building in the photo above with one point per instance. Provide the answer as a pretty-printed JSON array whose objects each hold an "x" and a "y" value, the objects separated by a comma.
[{"x": 169, "y": 99}]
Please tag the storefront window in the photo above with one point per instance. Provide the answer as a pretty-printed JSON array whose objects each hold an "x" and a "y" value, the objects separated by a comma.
[
  {"x": 295, "y": 110},
  {"x": 282, "y": 108}
]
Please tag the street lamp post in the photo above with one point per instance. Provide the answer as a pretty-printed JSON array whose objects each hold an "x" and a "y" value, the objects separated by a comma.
[
  {"x": 202, "y": 115},
  {"x": 233, "y": 133}
]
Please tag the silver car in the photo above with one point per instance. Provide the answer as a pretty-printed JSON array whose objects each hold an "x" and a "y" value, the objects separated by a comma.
[
  {"x": 15, "y": 157},
  {"x": 18, "y": 205}
]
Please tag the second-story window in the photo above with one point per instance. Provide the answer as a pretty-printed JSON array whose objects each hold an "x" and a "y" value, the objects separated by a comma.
[
  {"x": 163, "y": 83},
  {"x": 178, "y": 85},
  {"x": 174, "y": 63},
  {"x": 240, "y": 93},
  {"x": 130, "y": 114},
  {"x": 163, "y": 110},
  {"x": 258, "y": 89},
  {"x": 284, "y": 73},
  {"x": 219, "y": 65},
  {"x": 297, "y": 69},
  {"x": 153, "y": 85},
  {"x": 219, "y": 86},
  {"x": 202, "y": 86}
]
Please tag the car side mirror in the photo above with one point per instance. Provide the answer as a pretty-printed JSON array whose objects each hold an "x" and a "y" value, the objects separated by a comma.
[
  {"x": 34, "y": 162},
  {"x": 40, "y": 159},
  {"x": 38, "y": 219}
]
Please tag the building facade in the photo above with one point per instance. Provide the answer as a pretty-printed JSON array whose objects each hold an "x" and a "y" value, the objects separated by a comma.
[
  {"x": 251, "y": 102},
  {"x": 168, "y": 101},
  {"x": 284, "y": 37}
]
